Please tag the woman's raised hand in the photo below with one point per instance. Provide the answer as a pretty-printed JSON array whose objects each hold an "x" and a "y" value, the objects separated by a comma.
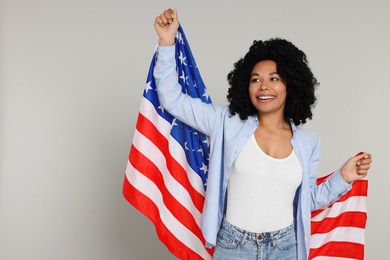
[{"x": 166, "y": 26}]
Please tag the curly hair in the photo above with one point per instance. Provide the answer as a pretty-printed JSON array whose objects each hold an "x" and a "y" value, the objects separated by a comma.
[{"x": 293, "y": 68}]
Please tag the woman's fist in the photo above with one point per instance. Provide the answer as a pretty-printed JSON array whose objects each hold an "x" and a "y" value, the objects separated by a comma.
[{"x": 166, "y": 26}]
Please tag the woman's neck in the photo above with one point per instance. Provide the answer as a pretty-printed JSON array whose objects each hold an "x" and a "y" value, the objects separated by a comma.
[{"x": 272, "y": 121}]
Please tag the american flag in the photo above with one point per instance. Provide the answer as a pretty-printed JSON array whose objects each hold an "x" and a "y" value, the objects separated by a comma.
[
  {"x": 338, "y": 231},
  {"x": 166, "y": 173}
]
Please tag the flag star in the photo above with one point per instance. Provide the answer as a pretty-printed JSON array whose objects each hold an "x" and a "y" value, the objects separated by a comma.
[
  {"x": 182, "y": 59},
  {"x": 203, "y": 168},
  {"x": 195, "y": 86},
  {"x": 201, "y": 151},
  {"x": 206, "y": 95},
  {"x": 206, "y": 141},
  {"x": 174, "y": 122},
  {"x": 161, "y": 108},
  {"x": 184, "y": 78},
  {"x": 185, "y": 145},
  {"x": 196, "y": 133},
  {"x": 148, "y": 87},
  {"x": 179, "y": 38}
]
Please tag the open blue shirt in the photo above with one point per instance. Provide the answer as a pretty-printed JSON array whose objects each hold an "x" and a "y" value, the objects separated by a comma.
[{"x": 228, "y": 134}]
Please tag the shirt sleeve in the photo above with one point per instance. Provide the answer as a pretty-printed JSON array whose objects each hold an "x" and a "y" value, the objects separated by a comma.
[
  {"x": 191, "y": 111},
  {"x": 331, "y": 190}
]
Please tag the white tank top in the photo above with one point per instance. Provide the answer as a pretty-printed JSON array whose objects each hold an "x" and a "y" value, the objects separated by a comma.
[{"x": 261, "y": 190}]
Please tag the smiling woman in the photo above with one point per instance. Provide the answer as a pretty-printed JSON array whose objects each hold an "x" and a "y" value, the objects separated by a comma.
[
  {"x": 289, "y": 67},
  {"x": 257, "y": 150}
]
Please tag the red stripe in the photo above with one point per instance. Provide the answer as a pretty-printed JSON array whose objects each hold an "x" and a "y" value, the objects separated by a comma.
[
  {"x": 359, "y": 188},
  {"x": 347, "y": 219},
  {"x": 149, "y": 130},
  {"x": 150, "y": 210},
  {"x": 147, "y": 168},
  {"x": 339, "y": 249}
]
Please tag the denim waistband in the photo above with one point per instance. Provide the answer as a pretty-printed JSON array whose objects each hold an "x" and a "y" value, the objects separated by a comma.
[{"x": 263, "y": 237}]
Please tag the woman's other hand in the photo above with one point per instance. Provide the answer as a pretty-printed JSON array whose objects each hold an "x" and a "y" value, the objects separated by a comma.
[{"x": 356, "y": 168}]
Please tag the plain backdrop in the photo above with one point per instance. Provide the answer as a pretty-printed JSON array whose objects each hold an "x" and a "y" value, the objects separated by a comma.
[{"x": 72, "y": 74}]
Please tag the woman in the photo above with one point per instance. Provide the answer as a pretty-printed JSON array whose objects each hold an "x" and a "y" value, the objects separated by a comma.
[{"x": 262, "y": 172}]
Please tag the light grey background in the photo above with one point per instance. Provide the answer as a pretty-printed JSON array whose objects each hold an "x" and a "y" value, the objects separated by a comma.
[{"x": 72, "y": 75}]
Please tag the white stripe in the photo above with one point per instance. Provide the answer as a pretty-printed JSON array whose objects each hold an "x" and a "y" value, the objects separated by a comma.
[
  {"x": 147, "y": 110},
  {"x": 355, "y": 203},
  {"x": 340, "y": 234},
  {"x": 147, "y": 187},
  {"x": 148, "y": 149},
  {"x": 332, "y": 258}
]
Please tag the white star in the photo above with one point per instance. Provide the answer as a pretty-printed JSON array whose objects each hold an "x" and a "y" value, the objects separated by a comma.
[
  {"x": 195, "y": 86},
  {"x": 162, "y": 109},
  {"x": 179, "y": 38},
  {"x": 185, "y": 145},
  {"x": 201, "y": 151},
  {"x": 206, "y": 95},
  {"x": 184, "y": 78},
  {"x": 206, "y": 141},
  {"x": 203, "y": 168},
  {"x": 174, "y": 123},
  {"x": 195, "y": 132},
  {"x": 148, "y": 87},
  {"x": 182, "y": 59}
]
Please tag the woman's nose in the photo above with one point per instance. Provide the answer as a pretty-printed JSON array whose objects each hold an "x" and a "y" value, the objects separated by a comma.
[{"x": 263, "y": 87}]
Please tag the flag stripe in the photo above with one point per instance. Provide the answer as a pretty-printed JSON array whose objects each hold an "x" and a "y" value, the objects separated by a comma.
[
  {"x": 161, "y": 215},
  {"x": 163, "y": 127},
  {"x": 147, "y": 207},
  {"x": 153, "y": 154},
  {"x": 357, "y": 203},
  {"x": 174, "y": 168},
  {"x": 340, "y": 234},
  {"x": 340, "y": 250},
  {"x": 185, "y": 216},
  {"x": 346, "y": 219}
]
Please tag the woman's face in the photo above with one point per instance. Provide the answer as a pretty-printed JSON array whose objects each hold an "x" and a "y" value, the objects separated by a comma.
[{"x": 267, "y": 90}]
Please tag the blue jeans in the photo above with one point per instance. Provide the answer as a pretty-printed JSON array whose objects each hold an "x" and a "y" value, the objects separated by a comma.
[{"x": 234, "y": 243}]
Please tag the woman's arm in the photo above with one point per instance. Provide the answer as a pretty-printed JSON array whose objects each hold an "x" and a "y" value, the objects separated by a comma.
[
  {"x": 191, "y": 111},
  {"x": 329, "y": 191},
  {"x": 355, "y": 168}
]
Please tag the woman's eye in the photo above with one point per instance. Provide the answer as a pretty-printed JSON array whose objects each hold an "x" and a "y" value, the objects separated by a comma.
[
  {"x": 274, "y": 79},
  {"x": 254, "y": 80}
]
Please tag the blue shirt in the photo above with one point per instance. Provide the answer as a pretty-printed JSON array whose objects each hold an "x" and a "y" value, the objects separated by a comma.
[{"x": 228, "y": 134}]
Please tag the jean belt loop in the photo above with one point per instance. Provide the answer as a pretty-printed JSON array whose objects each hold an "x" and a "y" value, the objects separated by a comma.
[{"x": 243, "y": 238}]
